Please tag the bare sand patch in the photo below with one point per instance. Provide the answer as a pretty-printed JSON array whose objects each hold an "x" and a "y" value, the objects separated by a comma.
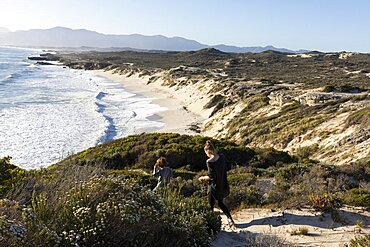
[{"x": 322, "y": 230}]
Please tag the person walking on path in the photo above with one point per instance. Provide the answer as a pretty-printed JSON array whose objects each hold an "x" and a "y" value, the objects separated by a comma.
[
  {"x": 162, "y": 172},
  {"x": 218, "y": 187}
]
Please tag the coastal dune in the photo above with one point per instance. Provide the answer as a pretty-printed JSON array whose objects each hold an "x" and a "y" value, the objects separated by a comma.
[
  {"x": 196, "y": 98},
  {"x": 184, "y": 113},
  {"x": 250, "y": 98}
]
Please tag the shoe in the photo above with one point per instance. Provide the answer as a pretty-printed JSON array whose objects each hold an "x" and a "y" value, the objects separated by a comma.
[{"x": 230, "y": 221}]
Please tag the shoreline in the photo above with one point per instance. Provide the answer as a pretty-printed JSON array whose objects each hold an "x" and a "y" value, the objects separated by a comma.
[{"x": 176, "y": 116}]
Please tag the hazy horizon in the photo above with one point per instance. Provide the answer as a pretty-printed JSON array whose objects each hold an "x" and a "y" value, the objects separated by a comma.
[{"x": 312, "y": 25}]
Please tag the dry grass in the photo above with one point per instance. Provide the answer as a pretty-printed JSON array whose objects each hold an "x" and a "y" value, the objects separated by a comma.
[{"x": 300, "y": 231}]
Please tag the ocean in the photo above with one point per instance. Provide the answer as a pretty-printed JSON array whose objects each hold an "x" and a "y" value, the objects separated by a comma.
[{"x": 49, "y": 112}]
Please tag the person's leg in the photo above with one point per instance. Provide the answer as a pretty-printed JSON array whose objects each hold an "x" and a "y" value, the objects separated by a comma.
[
  {"x": 211, "y": 201},
  {"x": 155, "y": 188},
  {"x": 224, "y": 209}
]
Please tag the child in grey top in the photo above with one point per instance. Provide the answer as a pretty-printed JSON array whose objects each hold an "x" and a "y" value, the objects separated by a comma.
[{"x": 162, "y": 172}]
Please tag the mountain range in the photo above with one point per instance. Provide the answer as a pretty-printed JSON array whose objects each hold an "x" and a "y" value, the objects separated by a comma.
[{"x": 61, "y": 37}]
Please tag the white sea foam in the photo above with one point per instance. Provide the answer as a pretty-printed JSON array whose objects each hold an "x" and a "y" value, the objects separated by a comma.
[{"x": 49, "y": 112}]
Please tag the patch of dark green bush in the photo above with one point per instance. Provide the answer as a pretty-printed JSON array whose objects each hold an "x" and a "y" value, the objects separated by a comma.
[
  {"x": 270, "y": 157},
  {"x": 140, "y": 151},
  {"x": 10, "y": 175},
  {"x": 357, "y": 197},
  {"x": 359, "y": 241}
]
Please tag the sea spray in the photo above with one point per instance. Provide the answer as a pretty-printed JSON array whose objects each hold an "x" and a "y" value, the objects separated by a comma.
[{"x": 50, "y": 112}]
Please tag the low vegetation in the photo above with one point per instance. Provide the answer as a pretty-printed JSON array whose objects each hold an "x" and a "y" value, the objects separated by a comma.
[
  {"x": 360, "y": 117},
  {"x": 363, "y": 241},
  {"x": 140, "y": 151},
  {"x": 279, "y": 129},
  {"x": 265, "y": 240},
  {"x": 268, "y": 67},
  {"x": 103, "y": 195},
  {"x": 10, "y": 175},
  {"x": 300, "y": 231},
  {"x": 101, "y": 209}
]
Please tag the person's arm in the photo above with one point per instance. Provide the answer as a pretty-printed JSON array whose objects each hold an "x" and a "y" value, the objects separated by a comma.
[
  {"x": 210, "y": 176},
  {"x": 156, "y": 171},
  {"x": 204, "y": 178}
]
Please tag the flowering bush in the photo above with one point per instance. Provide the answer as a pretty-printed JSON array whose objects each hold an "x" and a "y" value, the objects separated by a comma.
[
  {"x": 20, "y": 227},
  {"x": 322, "y": 202},
  {"x": 109, "y": 211}
]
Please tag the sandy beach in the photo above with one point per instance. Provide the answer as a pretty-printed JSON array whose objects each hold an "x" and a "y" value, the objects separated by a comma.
[{"x": 177, "y": 117}]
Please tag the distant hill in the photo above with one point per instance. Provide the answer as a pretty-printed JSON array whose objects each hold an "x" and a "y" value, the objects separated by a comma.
[
  {"x": 61, "y": 37},
  {"x": 254, "y": 49},
  {"x": 65, "y": 37}
]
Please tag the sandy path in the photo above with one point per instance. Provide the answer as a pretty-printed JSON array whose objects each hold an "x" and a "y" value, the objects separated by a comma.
[{"x": 322, "y": 230}]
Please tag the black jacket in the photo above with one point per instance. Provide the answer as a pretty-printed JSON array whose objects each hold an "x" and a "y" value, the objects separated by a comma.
[{"x": 218, "y": 185}]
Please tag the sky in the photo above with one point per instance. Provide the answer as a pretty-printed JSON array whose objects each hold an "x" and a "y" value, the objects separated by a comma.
[{"x": 325, "y": 25}]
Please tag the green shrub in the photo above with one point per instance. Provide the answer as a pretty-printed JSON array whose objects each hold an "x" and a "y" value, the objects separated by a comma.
[
  {"x": 243, "y": 196},
  {"x": 270, "y": 157},
  {"x": 110, "y": 211},
  {"x": 184, "y": 174},
  {"x": 360, "y": 241},
  {"x": 329, "y": 89},
  {"x": 214, "y": 101},
  {"x": 279, "y": 196},
  {"x": 190, "y": 187},
  {"x": 244, "y": 179},
  {"x": 289, "y": 172},
  {"x": 193, "y": 210},
  {"x": 303, "y": 153},
  {"x": 357, "y": 171},
  {"x": 361, "y": 117},
  {"x": 357, "y": 197},
  {"x": 300, "y": 231},
  {"x": 141, "y": 151},
  {"x": 10, "y": 175},
  {"x": 265, "y": 240},
  {"x": 19, "y": 227},
  {"x": 140, "y": 177}
]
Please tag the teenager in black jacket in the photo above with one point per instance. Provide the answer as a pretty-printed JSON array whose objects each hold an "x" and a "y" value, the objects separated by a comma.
[{"x": 218, "y": 187}]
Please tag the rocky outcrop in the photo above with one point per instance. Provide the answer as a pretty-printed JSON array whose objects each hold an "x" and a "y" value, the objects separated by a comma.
[
  {"x": 40, "y": 58},
  {"x": 44, "y": 63},
  {"x": 88, "y": 65}
]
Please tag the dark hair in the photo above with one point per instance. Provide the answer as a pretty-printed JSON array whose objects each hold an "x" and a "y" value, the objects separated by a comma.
[
  {"x": 209, "y": 147},
  {"x": 161, "y": 162}
]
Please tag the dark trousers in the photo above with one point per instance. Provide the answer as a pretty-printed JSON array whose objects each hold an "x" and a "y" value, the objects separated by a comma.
[{"x": 220, "y": 203}]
